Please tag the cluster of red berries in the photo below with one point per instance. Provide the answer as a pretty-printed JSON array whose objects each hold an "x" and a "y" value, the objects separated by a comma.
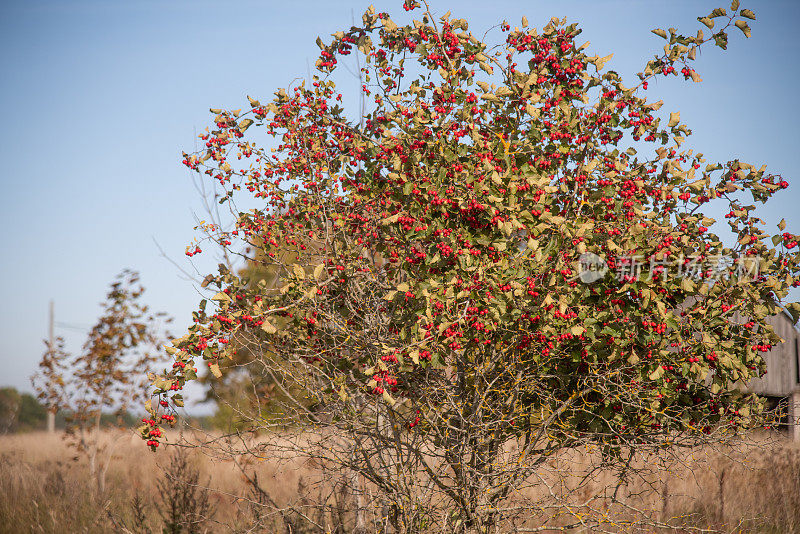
[
  {"x": 190, "y": 253},
  {"x": 415, "y": 422},
  {"x": 192, "y": 163},
  {"x": 658, "y": 328}
]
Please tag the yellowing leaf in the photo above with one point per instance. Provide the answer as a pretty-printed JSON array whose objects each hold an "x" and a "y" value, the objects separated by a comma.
[
  {"x": 742, "y": 25},
  {"x": 389, "y": 24},
  {"x": 214, "y": 368},
  {"x": 658, "y": 373},
  {"x": 506, "y": 144},
  {"x": 600, "y": 63},
  {"x": 674, "y": 119},
  {"x": 746, "y": 13},
  {"x": 532, "y": 110},
  {"x": 707, "y": 21},
  {"x": 268, "y": 327}
]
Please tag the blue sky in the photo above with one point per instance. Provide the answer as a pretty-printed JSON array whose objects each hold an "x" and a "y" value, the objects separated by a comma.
[{"x": 99, "y": 98}]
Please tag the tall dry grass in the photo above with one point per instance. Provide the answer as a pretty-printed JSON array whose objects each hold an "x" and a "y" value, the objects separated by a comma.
[{"x": 43, "y": 489}]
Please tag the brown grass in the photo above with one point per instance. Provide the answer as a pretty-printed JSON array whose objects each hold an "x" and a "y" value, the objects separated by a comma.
[
  {"x": 44, "y": 490},
  {"x": 45, "y": 486}
]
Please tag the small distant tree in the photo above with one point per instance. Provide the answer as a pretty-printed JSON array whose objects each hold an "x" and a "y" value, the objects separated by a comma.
[
  {"x": 20, "y": 411},
  {"x": 10, "y": 402},
  {"x": 246, "y": 383},
  {"x": 506, "y": 260},
  {"x": 110, "y": 373}
]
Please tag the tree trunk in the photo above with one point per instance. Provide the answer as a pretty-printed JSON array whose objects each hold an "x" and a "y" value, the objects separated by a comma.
[
  {"x": 361, "y": 524},
  {"x": 51, "y": 421}
]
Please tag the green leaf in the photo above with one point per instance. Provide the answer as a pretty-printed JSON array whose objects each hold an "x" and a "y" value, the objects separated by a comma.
[{"x": 794, "y": 310}]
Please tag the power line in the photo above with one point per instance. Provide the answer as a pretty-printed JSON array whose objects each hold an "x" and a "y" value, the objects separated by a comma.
[{"x": 72, "y": 326}]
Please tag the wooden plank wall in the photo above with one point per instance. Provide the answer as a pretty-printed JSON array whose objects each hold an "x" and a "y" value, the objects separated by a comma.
[{"x": 782, "y": 361}]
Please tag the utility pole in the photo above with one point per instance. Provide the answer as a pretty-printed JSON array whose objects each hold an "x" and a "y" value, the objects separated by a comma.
[{"x": 51, "y": 412}]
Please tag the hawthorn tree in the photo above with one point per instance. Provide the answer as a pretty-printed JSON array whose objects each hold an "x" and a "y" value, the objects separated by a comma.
[
  {"x": 438, "y": 315},
  {"x": 108, "y": 376}
]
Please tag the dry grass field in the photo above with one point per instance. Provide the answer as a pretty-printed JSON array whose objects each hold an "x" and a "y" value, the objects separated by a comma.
[{"x": 44, "y": 489}]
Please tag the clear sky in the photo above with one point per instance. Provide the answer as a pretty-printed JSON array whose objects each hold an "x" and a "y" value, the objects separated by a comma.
[{"x": 98, "y": 99}]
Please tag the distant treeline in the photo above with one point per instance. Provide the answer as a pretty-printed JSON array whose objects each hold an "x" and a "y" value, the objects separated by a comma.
[{"x": 22, "y": 412}]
